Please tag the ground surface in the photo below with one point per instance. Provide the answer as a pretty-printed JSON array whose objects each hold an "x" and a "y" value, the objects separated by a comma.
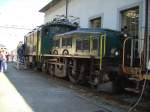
[{"x": 31, "y": 91}]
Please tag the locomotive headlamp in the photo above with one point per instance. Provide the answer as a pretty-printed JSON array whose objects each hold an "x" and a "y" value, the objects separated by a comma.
[
  {"x": 116, "y": 53},
  {"x": 125, "y": 35}
]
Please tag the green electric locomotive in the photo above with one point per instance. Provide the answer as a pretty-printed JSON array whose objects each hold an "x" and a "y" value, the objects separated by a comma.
[{"x": 86, "y": 55}]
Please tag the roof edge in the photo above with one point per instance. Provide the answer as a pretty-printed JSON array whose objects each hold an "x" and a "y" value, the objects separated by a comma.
[{"x": 49, "y": 5}]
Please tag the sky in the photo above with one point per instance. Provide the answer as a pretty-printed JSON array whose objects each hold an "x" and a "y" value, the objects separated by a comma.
[{"x": 20, "y": 14}]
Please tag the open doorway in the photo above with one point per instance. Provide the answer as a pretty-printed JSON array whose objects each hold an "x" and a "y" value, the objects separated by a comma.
[
  {"x": 130, "y": 20},
  {"x": 130, "y": 24}
]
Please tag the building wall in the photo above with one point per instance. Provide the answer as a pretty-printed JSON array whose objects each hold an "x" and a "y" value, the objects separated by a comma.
[
  {"x": 58, "y": 9},
  {"x": 149, "y": 18},
  {"x": 109, "y": 10}
]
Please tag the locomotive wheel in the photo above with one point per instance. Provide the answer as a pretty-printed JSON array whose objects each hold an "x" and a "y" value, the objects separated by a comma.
[
  {"x": 96, "y": 80},
  {"x": 51, "y": 70},
  {"x": 44, "y": 68},
  {"x": 73, "y": 77}
]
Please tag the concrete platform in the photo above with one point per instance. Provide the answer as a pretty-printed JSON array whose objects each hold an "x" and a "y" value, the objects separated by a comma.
[{"x": 28, "y": 91}]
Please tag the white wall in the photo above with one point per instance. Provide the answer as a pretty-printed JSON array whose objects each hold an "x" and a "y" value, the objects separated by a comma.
[{"x": 109, "y": 10}]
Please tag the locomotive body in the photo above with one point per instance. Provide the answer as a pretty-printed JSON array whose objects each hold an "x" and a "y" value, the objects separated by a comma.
[{"x": 93, "y": 56}]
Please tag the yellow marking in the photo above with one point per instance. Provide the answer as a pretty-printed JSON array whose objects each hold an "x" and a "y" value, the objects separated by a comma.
[
  {"x": 101, "y": 51},
  {"x": 104, "y": 44},
  {"x": 91, "y": 43}
]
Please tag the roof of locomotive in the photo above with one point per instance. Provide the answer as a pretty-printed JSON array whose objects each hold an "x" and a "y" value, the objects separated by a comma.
[
  {"x": 38, "y": 28},
  {"x": 89, "y": 31},
  {"x": 51, "y": 24}
]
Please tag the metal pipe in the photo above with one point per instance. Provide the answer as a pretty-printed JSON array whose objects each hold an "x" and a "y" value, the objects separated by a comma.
[
  {"x": 67, "y": 2},
  {"x": 123, "y": 53},
  {"x": 131, "y": 57},
  {"x": 146, "y": 52},
  {"x": 101, "y": 48},
  {"x": 104, "y": 47}
]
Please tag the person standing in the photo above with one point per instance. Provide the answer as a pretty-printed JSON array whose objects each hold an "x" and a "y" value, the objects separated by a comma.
[
  {"x": 1, "y": 58},
  {"x": 3, "y": 63},
  {"x": 7, "y": 57}
]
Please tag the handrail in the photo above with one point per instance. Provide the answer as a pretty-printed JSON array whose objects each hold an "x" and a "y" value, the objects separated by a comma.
[
  {"x": 102, "y": 47},
  {"x": 100, "y": 51},
  {"x": 123, "y": 53},
  {"x": 104, "y": 44}
]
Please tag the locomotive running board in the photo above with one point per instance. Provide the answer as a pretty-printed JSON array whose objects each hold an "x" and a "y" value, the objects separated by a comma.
[
  {"x": 136, "y": 72},
  {"x": 132, "y": 90},
  {"x": 132, "y": 70}
]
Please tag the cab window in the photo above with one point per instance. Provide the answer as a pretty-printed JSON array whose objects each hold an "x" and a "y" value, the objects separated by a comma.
[
  {"x": 85, "y": 45},
  {"x": 56, "y": 43},
  {"x": 66, "y": 42},
  {"x": 95, "y": 44},
  {"x": 82, "y": 44},
  {"x": 69, "y": 42},
  {"x": 46, "y": 31},
  {"x": 78, "y": 45}
]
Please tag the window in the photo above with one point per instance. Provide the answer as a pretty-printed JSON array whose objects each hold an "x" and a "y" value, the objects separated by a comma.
[
  {"x": 130, "y": 21},
  {"x": 82, "y": 45},
  {"x": 66, "y": 42},
  {"x": 95, "y": 41},
  {"x": 69, "y": 42},
  {"x": 46, "y": 31},
  {"x": 96, "y": 22},
  {"x": 78, "y": 45},
  {"x": 56, "y": 43},
  {"x": 86, "y": 45}
]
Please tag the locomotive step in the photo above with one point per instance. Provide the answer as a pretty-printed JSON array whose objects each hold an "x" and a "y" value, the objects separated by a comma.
[
  {"x": 132, "y": 90},
  {"x": 133, "y": 79}
]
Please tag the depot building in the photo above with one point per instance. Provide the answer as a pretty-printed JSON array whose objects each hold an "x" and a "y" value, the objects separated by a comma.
[{"x": 111, "y": 14}]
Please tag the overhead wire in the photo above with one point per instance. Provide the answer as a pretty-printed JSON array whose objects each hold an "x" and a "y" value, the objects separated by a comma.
[{"x": 15, "y": 27}]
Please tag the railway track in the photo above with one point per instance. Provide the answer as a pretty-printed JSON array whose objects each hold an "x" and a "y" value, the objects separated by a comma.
[{"x": 105, "y": 96}]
